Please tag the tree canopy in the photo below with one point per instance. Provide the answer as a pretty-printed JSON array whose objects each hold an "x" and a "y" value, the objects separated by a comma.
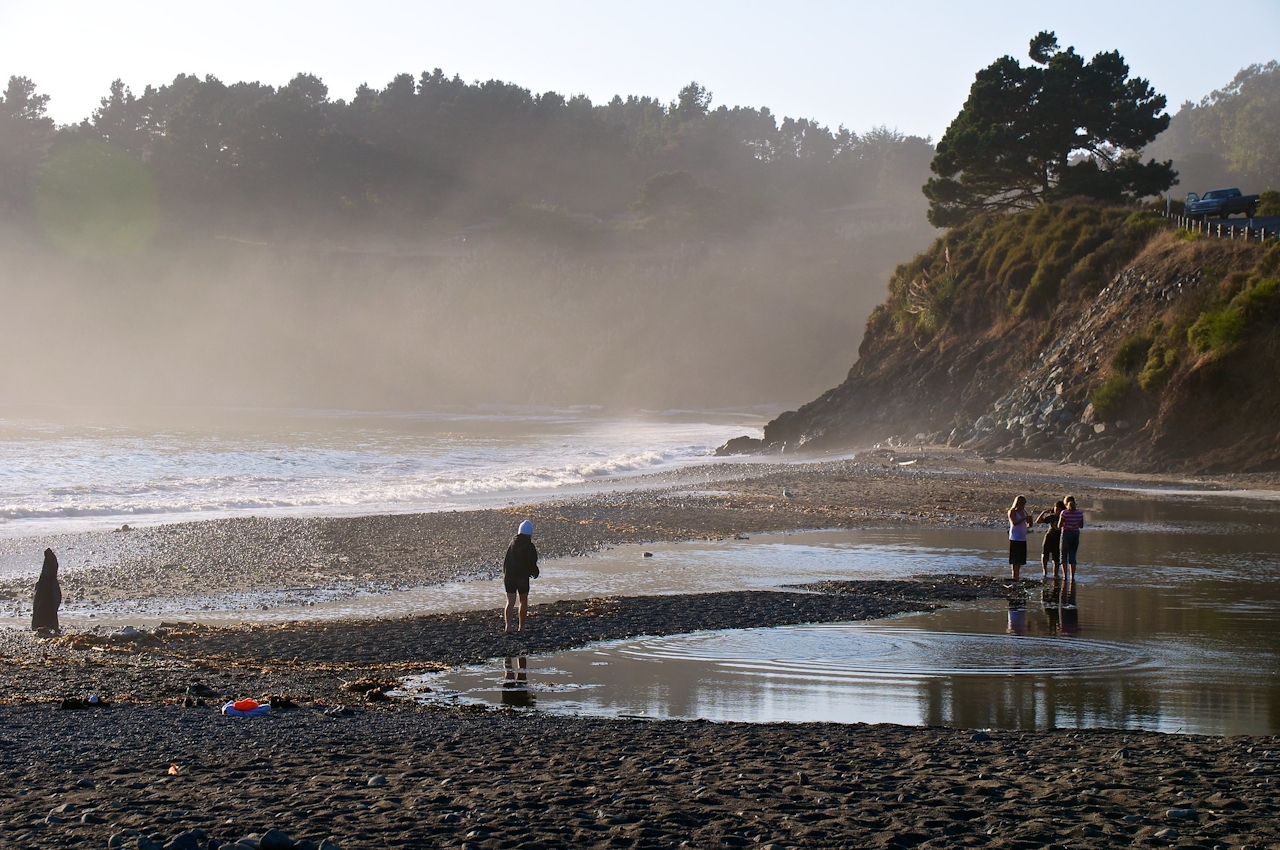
[
  {"x": 434, "y": 150},
  {"x": 1231, "y": 137},
  {"x": 1059, "y": 127},
  {"x": 25, "y": 134}
]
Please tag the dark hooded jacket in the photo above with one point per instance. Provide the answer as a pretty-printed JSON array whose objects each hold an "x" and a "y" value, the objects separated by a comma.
[
  {"x": 521, "y": 561},
  {"x": 44, "y": 607}
]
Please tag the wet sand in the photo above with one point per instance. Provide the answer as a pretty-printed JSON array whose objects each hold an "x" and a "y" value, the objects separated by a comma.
[
  {"x": 388, "y": 772},
  {"x": 245, "y": 563}
]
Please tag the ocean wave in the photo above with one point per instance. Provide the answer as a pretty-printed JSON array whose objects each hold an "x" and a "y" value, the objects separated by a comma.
[{"x": 83, "y": 475}]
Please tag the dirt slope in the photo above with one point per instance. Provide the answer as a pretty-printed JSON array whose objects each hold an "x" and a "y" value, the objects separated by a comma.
[{"x": 1076, "y": 332}]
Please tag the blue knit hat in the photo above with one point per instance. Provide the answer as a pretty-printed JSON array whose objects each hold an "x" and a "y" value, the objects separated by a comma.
[{"x": 526, "y": 527}]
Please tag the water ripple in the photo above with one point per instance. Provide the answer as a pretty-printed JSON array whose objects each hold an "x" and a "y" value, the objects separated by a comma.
[{"x": 836, "y": 652}]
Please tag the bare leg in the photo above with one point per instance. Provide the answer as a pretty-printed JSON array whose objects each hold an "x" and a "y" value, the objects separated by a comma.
[
  {"x": 1044, "y": 566},
  {"x": 508, "y": 611},
  {"x": 524, "y": 607},
  {"x": 1015, "y": 569}
]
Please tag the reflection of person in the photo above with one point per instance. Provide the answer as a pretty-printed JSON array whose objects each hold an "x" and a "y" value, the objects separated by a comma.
[
  {"x": 1070, "y": 623},
  {"x": 1070, "y": 521},
  {"x": 48, "y": 595},
  {"x": 515, "y": 684},
  {"x": 1018, "y": 614},
  {"x": 1019, "y": 522},
  {"x": 1050, "y": 598},
  {"x": 1052, "y": 537},
  {"x": 519, "y": 565}
]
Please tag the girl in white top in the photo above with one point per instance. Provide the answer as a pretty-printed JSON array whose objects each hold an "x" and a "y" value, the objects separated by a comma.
[{"x": 1019, "y": 522}]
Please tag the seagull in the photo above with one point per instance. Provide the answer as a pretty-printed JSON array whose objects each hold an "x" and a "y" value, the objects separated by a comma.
[{"x": 787, "y": 493}]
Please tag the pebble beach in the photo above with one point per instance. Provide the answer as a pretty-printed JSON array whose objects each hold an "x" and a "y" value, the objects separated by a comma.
[{"x": 342, "y": 761}]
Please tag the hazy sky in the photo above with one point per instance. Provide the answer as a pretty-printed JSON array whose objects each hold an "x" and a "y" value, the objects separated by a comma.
[{"x": 905, "y": 64}]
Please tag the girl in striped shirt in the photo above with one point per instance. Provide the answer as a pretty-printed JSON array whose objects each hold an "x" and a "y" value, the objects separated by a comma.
[{"x": 1070, "y": 521}]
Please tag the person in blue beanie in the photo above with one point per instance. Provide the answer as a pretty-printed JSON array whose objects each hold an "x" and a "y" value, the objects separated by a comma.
[{"x": 519, "y": 565}]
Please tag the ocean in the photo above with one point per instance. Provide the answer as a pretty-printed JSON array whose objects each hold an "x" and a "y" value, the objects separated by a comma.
[{"x": 57, "y": 477}]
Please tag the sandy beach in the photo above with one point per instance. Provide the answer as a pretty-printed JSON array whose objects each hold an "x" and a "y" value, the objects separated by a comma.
[{"x": 160, "y": 766}]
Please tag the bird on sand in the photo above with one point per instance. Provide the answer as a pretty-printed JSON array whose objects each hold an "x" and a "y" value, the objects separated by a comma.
[{"x": 787, "y": 493}]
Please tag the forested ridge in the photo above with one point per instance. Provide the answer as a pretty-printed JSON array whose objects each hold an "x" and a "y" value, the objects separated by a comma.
[
  {"x": 1231, "y": 137},
  {"x": 437, "y": 241},
  {"x": 437, "y": 149}
]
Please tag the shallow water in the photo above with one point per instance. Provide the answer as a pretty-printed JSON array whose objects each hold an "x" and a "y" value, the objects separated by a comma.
[{"x": 1170, "y": 626}]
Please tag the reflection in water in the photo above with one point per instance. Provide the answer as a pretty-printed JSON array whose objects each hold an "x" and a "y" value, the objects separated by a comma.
[
  {"x": 1061, "y": 613},
  {"x": 1069, "y": 623},
  {"x": 1017, "y": 611},
  {"x": 515, "y": 684},
  {"x": 1180, "y": 635},
  {"x": 1050, "y": 596},
  {"x": 881, "y": 672}
]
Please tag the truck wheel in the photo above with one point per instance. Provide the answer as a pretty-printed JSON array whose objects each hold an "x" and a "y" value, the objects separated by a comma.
[{"x": 1253, "y": 209}]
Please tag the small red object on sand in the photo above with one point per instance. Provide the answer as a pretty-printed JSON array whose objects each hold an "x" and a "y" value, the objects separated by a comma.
[{"x": 245, "y": 704}]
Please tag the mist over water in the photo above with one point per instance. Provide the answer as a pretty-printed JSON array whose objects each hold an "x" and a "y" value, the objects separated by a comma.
[{"x": 446, "y": 322}]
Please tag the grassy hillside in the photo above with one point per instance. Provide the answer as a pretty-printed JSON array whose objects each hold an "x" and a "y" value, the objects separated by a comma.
[
  {"x": 1069, "y": 331},
  {"x": 1006, "y": 269}
]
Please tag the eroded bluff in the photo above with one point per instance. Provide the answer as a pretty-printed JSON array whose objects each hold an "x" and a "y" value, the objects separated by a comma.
[{"x": 1069, "y": 332}]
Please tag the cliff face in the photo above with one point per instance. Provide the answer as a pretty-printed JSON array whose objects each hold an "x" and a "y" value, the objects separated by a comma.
[{"x": 1076, "y": 332}]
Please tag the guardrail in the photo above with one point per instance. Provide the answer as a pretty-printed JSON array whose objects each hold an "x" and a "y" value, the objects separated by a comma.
[{"x": 1223, "y": 229}]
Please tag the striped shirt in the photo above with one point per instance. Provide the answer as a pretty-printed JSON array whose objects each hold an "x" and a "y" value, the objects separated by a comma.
[{"x": 1071, "y": 520}]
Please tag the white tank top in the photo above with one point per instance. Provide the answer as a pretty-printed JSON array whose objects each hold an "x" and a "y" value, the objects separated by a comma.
[{"x": 1018, "y": 530}]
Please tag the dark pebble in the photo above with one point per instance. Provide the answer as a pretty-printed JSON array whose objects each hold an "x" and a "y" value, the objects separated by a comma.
[{"x": 275, "y": 839}]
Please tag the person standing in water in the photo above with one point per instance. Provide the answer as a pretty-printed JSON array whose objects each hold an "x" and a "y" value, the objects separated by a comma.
[
  {"x": 1052, "y": 538},
  {"x": 48, "y": 595},
  {"x": 519, "y": 565},
  {"x": 1019, "y": 523},
  {"x": 1070, "y": 521}
]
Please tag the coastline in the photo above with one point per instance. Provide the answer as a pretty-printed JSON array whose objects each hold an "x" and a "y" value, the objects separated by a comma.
[
  {"x": 461, "y": 776},
  {"x": 249, "y": 562}
]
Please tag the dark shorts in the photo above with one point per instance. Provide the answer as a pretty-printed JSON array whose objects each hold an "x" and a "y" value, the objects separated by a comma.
[
  {"x": 1018, "y": 552},
  {"x": 1052, "y": 545},
  {"x": 516, "y": 585}
]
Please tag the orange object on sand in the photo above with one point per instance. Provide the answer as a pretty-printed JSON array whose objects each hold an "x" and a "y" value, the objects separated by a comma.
[{"x": 245, "y": 704}]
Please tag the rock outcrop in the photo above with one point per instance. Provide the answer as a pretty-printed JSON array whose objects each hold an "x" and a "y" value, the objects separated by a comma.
[{"x": 1169, "y": 394}]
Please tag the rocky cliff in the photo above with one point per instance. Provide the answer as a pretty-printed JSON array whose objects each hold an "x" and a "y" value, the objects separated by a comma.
[{"x": 1071, "y": 332}]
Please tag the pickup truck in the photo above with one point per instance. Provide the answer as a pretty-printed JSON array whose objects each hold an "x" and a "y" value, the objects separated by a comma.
[{"x": 1220, "y": 202}]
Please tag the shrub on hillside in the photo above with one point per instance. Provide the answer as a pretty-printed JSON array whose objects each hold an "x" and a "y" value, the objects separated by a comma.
[
  {"x": 1269, "y": 203},
  {"x": 1131, "y": 354},
  {"x": 1110, "y": 398},
  {"x": 1017, "y": 265}
]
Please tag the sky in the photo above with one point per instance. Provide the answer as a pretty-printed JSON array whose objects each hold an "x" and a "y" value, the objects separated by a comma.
[{"x": 857, "y": 64}]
